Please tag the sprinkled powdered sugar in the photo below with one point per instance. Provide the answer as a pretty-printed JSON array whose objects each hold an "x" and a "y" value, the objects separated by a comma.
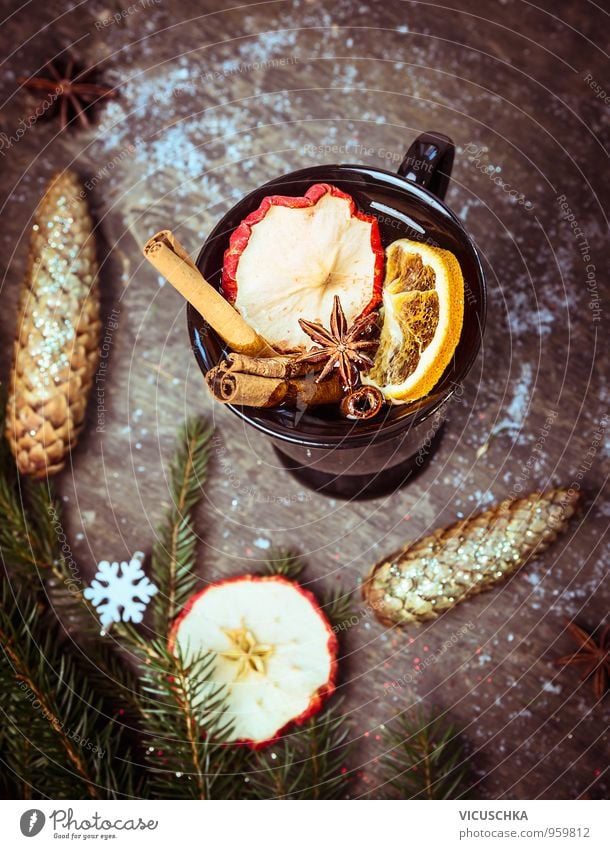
[
  {"x": 198, "y": 144},
  {"x": 525, "y": 317},
  {"x": 517, "y": 409}
]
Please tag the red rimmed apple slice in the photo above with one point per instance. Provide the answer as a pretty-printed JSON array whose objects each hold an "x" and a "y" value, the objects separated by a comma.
[
  {"x": 276, "y": 652},
  {"x": 290, "y": 257}
]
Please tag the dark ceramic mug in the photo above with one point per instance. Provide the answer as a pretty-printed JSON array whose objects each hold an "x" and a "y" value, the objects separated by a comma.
[{"x": 326, "y": 452}]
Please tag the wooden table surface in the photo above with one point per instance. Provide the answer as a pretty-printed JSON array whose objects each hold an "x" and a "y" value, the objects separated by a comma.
[{"x": 213, "y": 103}]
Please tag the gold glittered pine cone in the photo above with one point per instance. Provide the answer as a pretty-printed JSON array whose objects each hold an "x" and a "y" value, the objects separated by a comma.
[
  {"x": 434, "y": 573},
  {"x": 56, "y": 346}
]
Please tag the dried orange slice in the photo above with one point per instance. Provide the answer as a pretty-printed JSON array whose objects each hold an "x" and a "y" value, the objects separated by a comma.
[{"x": 423, "y": 311}]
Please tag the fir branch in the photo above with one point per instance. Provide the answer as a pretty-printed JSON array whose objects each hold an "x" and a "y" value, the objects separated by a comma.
[
  {"x": 107, "y": 667},
  {"x": 107, "y": 671},
  {"x": 20, "y": 760},
  {"x": 25, "y": 529},
  {"x": 425, "y": 759},
  {"x": 179, "y": 710},
  {"x": 338, "y": 605},
  {"x": 30, "y": 540},
  {"x": 110, "y": 672},
  {"x": 283, "y": 562},
  {"x": 42, "y": 509},
  {"x": 184, "y": 723},
  {"x": 43, "y": 691},
  {"x": 308, "y": 763},
  {"x": 183, "y": 714},
  {"x": 174, "y": 553}
]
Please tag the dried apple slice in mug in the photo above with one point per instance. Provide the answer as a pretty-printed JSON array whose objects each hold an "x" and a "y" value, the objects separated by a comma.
[
  {"x": 423, "y": 312},
  {"x": 291, "y": 256}
]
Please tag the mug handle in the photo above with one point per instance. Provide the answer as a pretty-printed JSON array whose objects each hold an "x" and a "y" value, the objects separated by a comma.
[{"x": 428, "y": 162}]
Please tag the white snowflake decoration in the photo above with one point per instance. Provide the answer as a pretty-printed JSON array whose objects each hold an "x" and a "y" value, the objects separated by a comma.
[{"x": 121, "y": 591}]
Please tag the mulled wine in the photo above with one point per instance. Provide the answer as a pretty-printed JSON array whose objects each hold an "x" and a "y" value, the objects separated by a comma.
[{"x": 365, "y": 454}]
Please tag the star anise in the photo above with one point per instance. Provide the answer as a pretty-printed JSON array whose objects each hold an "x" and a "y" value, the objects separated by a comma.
[
  {"x": 341, "y": 346},
  {"x": 249, "y": 654},
  {"x": 592, "y": 657},
  {"x": 72, "y": 88}
]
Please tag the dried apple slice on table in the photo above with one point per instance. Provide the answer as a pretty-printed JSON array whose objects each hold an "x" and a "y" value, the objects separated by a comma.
[
  {"x": 290, "y": 257},
  {"x": 423, "y": 312},
  {"x": 275, "y": 652}
]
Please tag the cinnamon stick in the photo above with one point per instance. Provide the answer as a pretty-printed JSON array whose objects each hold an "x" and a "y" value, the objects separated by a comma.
[
  {"x": 362, "y": 403},
  {"x": 284, "y": 367},
  {"x": 307, "y": 391},
  {"x": 253, "y": 390},
  {"x": 246, "y": 390},
  {"x": 171, "y": 260}
]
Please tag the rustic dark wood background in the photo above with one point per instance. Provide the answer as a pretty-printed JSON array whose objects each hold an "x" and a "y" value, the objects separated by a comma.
[{"x": 213, "y": 103}]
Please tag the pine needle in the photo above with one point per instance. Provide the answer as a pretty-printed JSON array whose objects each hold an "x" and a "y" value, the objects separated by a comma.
[
  {"x": 184, "y": 726},
  {"x": 179, "y": 712},
  {"x": 308, "y": 763},
  {"x": 183, "y": 714},
  {"x": 59, "y": 737},
  {"x": 283, "y": 562},
  {"x": 26, "y": 530},
  {"x": 338, "y": 606},
  {"x": 424, "y": 760},
  {"x": 174, "y": 553}
]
